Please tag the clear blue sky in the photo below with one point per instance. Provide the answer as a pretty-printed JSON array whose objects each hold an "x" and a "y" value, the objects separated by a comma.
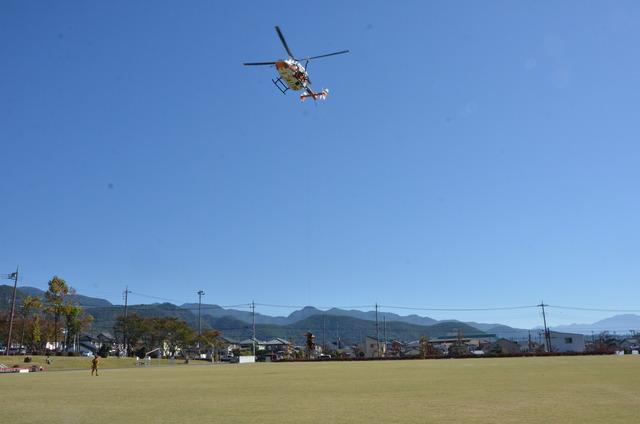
[{"x": 470, "y": 154}]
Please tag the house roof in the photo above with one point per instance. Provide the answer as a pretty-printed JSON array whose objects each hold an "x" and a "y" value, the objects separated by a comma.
[
  {"x": 105, "y": 336},
  {"x": 250, "y": 341},
  {"x": 561, "y": 334},
  {"x": 464, "y": 337},
  {"x": 228, "y": 340},
  {"x": 87, "y": 337},
  {"x": 276, "y": 342}
]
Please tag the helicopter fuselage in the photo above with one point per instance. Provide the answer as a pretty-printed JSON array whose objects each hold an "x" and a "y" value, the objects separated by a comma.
[{"x": 293, "y": 74}]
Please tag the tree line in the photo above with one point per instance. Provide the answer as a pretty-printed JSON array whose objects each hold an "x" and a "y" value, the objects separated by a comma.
[
  {"x": 54, "y": 318},
  {"x": 138, "y": 336},
  {"x": 54, "y": 323}
]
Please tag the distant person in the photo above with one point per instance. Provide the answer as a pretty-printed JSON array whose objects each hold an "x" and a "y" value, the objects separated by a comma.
[{"x": 94, "y": 365}]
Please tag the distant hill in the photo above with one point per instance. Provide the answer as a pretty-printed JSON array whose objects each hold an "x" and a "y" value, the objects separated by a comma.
[
  {"x": 216, "y": 311},
  {"x": 350, "y": 330},
  {"x": 501, "y": 330},
  {"x": 351, "y": 324},
  {"x": 6, "y": 295},
  {"x": 368, "y": 315},
  {"x": 84, "y": 301},
  {"x": 307, "y": 311},
  {"x": 618, "y": 323}
]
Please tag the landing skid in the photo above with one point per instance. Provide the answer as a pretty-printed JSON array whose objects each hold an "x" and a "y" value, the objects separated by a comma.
[{"x": 280, "y": 85}]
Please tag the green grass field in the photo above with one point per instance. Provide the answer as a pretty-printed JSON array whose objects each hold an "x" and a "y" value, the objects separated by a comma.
[
  {"x": 603, "y": 389},
  {"x": 59, "y": 363}
]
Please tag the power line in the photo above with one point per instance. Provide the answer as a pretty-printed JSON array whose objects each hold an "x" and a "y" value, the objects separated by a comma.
[
  {"x": 315, "y": 306},
  {"x": 156, "y": 297},
  {"x": 506, "y": 308}
]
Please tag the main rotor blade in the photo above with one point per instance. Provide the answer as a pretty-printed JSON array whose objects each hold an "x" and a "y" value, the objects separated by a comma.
[
  {"x": 325, "y": 55},
  {"x": 284, "y": 43},
  {"x": 259, "y": 63}
]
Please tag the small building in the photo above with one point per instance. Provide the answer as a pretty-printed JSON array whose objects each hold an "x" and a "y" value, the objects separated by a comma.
[
  {"x": 566, "y": 342},
  {"x": 278, "y": 348},
  {"x": 370, "y": 347},
  {"x": 396, "y": 349},
  {"x": 250, "y": 342},
  {"x": 460, "y": 344},
  {"x": 502, "y": 346}
]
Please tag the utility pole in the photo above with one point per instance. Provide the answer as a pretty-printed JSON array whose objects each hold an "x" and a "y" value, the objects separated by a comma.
[
  {"x": 377, "y": 331},
  {"x": 384, "y": 321},
  {"x": 125, "y": 337},
  {"x": 547, "y": 336},
  {"x": 338, "y": 334},
  {"x": 253, "y": 311},
  {"x": 13, "y": 276},
  {"x": 324, "y": 341}
]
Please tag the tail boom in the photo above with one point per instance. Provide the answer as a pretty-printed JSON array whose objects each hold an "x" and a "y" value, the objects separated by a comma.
[{"x": 314, "y": 95}]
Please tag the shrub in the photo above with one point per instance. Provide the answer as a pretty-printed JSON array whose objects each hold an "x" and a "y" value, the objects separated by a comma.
[
  {"x": 27, "y": 359},
  {"x": 104, "y": 351},
  {"x": 140, "y": 352}
]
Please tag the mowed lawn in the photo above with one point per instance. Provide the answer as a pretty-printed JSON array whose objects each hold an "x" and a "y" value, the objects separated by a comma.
[
  {"x": 76, "y": 362},
  {"x": 602, "y": 389}
]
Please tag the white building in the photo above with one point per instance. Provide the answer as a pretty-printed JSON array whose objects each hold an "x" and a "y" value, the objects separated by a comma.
[
  {"x": 566, "y": 342},
  {"x": 369, "y": 347}
]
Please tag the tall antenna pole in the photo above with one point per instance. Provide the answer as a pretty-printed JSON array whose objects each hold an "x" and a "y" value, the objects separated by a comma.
[
  {"x": 547, "y": 336},
  {"x": 377, "y": 331},
  {"x": 14, "y": 276},
  {"x": 126, "y": 298},
  {"x": 200, "y": 294},
  {"x": 253, "y": 311}
]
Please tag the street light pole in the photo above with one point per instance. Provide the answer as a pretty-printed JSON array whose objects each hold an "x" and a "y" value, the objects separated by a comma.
[{"x": 13, "y": 276}]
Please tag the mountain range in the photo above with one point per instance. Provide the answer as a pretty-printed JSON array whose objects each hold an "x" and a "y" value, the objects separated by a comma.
[
  {"x": 623, "y": 324},
  {"x": 348, "y": 325}
]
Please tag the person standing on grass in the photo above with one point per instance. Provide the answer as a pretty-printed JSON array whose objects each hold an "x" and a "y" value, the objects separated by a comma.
[{"x": 94, "y": 365}]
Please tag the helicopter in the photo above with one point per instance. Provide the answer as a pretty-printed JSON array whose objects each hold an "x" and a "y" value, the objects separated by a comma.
[{"x": 293, "y": 75}]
